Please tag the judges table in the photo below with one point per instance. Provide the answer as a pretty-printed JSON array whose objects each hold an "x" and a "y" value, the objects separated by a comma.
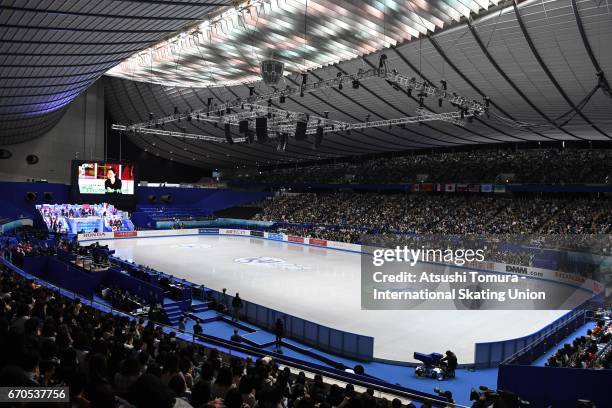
[{"x": 86, "y": 262}]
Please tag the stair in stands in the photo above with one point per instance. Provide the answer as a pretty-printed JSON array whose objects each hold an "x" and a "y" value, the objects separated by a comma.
[
  {"x": 173, "y": 312},
  {"x": 200, "y": 307}
]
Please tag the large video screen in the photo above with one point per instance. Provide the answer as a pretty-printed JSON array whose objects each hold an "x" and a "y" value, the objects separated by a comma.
[{"x": 105, "y": 178}]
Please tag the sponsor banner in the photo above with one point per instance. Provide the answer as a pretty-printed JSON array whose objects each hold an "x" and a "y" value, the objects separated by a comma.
[
  {"x": 416, "y": 188},
  {"x": 427, "y": 187},
  {"x": 275, "y": 236},
  {"x": 449, "y": 188},
  {"x": 234, "y": 231},
  {"x": 563, "y": 277},
  {"x": 486, "y": 188},
  {"x": 462, "y": 188},
  {"x": 90, "y": 235},
  {"x": 439, "y": 187},
  {"x": 208, "y": 231},
  {"x": 499, "y": 188},
  {"x": 317, "y": 242},
  {"x": 292, "y": 238},
  {"x": 259, "y": 234},
  {"x": 344, "y": 245},
  {"x": 125, "y": 234},
  {"x": 164, "y": 233},
  {"x": 474, "y": 188}
]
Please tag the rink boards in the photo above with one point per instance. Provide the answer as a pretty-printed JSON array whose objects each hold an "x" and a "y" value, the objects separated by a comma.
[{"x": 318, "y": 280}]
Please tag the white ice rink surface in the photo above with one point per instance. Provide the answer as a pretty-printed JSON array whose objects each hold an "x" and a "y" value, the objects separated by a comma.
[{"x": 323, "y": 286}]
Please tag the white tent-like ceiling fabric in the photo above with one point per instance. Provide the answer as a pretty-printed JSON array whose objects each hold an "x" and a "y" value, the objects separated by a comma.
[
  {"x": 534, "y": 66},
  {"x": 303, "y": 34},
  {"x": 51, "y": 51}
]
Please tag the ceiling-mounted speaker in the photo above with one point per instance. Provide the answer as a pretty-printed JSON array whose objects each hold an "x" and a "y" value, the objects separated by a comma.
[
  {"x": 31, "y": 159},
  {"x": 5, "y": 154},
  {"x": 243, "y": 126},
  {"x": 318, "y": 137},
  {"x": 228, "y": 134},
  {"x": 31, "y": 196},
  {"x": 261, "y": 129},
  {"x": 166, "y": 198},
  {"x": 48, "y": 196},
  {"x": 300, "y": 130},
  {"x": 250, "y": 137},
  {"x": 152, "y": 198}
]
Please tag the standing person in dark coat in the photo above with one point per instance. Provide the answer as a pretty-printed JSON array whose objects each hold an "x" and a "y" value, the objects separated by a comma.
[
  {"x": 237, "y": 306},
  {"x": 279, "y": 331}
]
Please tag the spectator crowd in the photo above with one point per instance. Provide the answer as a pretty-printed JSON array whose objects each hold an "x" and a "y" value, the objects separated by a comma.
[
  {"x": 346, "y": 214},
  {"x": 111, "y": 361},
  {"x": 594, "y": 350},
  {"x": 549, "y": 166}
]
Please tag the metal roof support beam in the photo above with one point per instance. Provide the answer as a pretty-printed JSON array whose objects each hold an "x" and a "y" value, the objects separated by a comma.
[
  {"x": 587, "y": 47},
  {"x": 511, "y": 83},
  {"x": 544, "y": 67}
]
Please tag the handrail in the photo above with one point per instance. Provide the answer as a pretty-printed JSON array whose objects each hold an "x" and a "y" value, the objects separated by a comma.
[
  {"x": 379, "y": 385},
  {"x": 580, "y": 313}
]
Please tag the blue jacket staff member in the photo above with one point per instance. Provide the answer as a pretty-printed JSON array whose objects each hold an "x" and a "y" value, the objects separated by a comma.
[{"x": 112, "y": 183}]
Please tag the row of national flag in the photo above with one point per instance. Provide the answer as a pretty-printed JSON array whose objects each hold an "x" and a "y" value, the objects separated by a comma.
[{"x": 459, "y": 188}]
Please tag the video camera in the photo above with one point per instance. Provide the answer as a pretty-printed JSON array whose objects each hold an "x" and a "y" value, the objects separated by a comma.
[{"x": 488, "y": 398}]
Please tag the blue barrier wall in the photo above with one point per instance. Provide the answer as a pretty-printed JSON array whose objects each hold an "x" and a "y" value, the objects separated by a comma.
[
  {"x": 72, "y": 278},
  {"x": 322, "y": 337},
  {"x": 145, "y": 290},
  {"x": 566, "y": 385},
  {"x": 36, "y": 265},
  {"x": 13, "y": 202}
]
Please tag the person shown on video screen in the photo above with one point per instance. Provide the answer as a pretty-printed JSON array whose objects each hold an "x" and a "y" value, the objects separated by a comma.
[{"x": 112, "y": 183}]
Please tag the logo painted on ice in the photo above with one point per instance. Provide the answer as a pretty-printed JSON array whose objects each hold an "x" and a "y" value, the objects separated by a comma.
[
  {"x": 192, "y": 246},
  {"x": 268, "y": 262}
]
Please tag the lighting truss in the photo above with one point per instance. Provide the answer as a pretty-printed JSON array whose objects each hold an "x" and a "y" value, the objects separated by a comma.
[
  {"x": 468, "y": 107},
  {"x": 179, "y": 135},
  {"x": 285, "y": 125}
]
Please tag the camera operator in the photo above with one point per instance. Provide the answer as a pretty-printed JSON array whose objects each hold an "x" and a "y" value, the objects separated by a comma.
[
  {"x": 448, "y": 397},
  {"x": 449, "y": 362}
]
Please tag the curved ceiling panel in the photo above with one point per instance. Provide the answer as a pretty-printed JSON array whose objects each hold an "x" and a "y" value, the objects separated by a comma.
[
  {"x": 51, "y": 51},
  {"x": 531, "y": 60},
  {"x": 303, "y": 34}
]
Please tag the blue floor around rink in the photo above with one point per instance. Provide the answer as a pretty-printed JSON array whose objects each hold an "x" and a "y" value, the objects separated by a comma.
[{"x": 460, "y": 386}]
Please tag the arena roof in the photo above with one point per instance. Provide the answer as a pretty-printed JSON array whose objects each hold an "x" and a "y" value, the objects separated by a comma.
[
  {"x": 52, "y": 51},
  {"x": 537, "y": 62},
  {"x": 226, "y": 49}
]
